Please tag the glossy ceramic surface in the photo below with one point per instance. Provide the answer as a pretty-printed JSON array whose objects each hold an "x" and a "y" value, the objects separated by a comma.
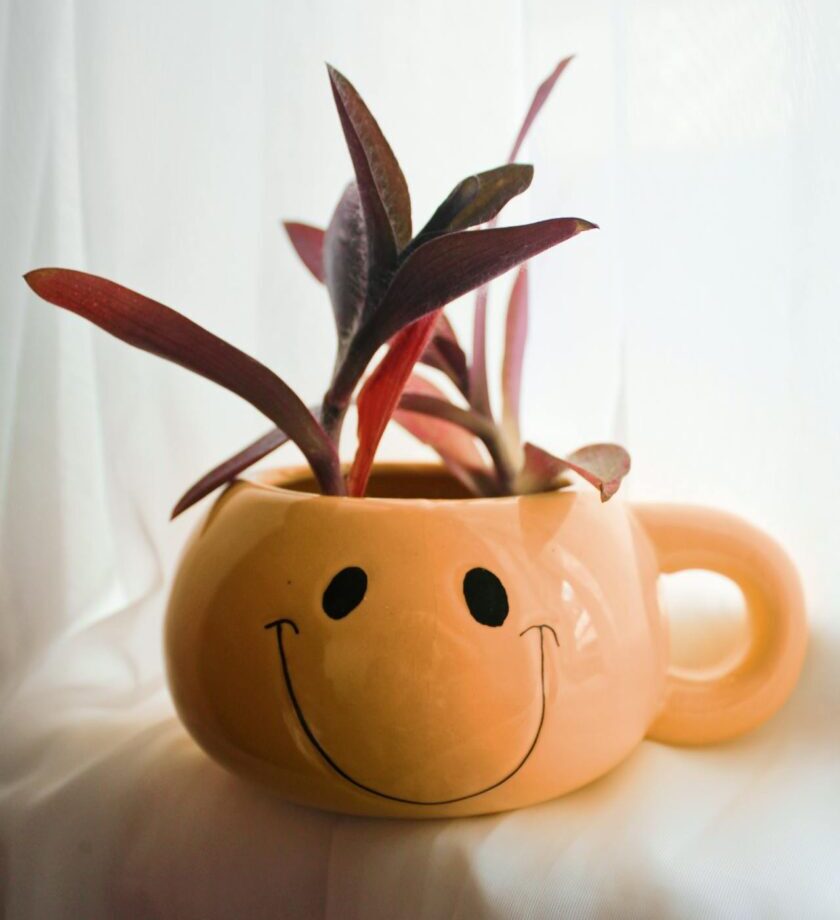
[{"x": 410, "y": 705}]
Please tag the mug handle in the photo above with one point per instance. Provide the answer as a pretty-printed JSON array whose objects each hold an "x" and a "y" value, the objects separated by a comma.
[{"x": 707, "y": 707}]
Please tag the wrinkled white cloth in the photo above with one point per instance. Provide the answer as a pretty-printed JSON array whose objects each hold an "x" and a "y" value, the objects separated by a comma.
[{"x": 158, "y": 144}]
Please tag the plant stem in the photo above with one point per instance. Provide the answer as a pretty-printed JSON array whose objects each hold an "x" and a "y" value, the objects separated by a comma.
[
  {"x": 482, "y": 427},
  {"x": 479, "y": 396},
  {"x": 332, "y": 419},
  {"x": 495, "y": 444},
  {"x": 327, "y": 470}
]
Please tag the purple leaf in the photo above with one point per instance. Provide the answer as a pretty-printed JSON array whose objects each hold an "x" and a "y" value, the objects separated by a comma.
[
  {"x": 233, "y": 466},
  {"x": 444, "y": 354},
  {"x": 157, "y": 329},
  {"x": 478, "y": 199},
  {"x": 455, "y": 446},
  {"x": 308, "y": 243},
  {"x": 230, "y": 469},
  {"x": 441, "y": 271},
  {"x": 345, "y": 262},
  {"x": 382, "y": 186},
  {"x": 602, "y": 465},
  {"x": 516, "y": 332},
  {"x": 539, "y": 100},
  {"x": 448, "y": 266}
]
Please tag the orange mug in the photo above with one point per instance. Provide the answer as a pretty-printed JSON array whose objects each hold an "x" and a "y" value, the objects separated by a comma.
[{"x": 441, "y": 655}]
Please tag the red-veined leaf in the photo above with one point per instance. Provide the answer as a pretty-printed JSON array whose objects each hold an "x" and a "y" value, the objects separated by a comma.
[
  {"x": 345, "y": 262},
  {"x": 380, "y": 394},
  {"x": 602, "y": 465},
  {"x": 152, "y": 327},
  {"x": 308, "y": 243},
  {"x": 445, "y": 354},
  {"x": 456, "y": 447},
  {"x": 539, "y": 100},
  {"x": 382, "y": 186},
  {"x": 516, "y": 332}
]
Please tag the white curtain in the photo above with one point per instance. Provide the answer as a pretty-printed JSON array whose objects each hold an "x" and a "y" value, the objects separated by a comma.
[{"x": 158, "y": 144}]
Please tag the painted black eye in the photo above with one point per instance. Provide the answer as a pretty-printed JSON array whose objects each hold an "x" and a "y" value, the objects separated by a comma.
[
  {"x": 486, "y": 597},
  {"x": 345, "y": 592}
]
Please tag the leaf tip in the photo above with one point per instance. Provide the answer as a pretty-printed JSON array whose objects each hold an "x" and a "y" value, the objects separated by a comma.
[
  {"x": 335, "y": 75},
  {"x": 584, "y": 225},
  {"x": 608, "y": 489},
  {"x": 36, "y": 276},
  {"x": 187, "y": 500}
]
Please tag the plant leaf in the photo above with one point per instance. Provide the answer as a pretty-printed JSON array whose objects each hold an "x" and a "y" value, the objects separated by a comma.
[
  {"x": 233, "y": 466},
  {"x": 345, "y": 262},
  {"x": 157, "y": 329},
  {"x": 438, "y": 272},
  {"x": 541, "y": 471},
  {"x": 479, "y": 396},
  {"x": 446, "y": 267},
  {"x": 441, "y": 408},
  {"x": 472, "y": 421},
  {"x": 479, "y": 392},
  {"x": 230, "y": 469},
  {"x": 478, "y": 199},
  {"x": 516, "y": 332},
  {"x": 380, "y": 394},
  {"x": 539, "y": 100},
  {"x": 455, "y": 446},
  {"x": 456, "y": 201},
  {"x": 602, "y": 465},
  {"x": 308, "y": 243},
  {"x": 382, "y": 186},
  {"x": 445, "y": 354}
]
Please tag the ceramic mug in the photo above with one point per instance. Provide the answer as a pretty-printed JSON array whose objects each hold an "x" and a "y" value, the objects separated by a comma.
[{"x": 437, "y": 656}]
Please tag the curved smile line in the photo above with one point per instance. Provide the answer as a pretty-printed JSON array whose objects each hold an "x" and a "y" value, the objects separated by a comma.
[{"x": 278, "y": 626}]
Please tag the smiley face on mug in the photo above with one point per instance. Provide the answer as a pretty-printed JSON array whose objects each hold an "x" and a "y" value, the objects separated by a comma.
[{"x": 424, "y": 658}]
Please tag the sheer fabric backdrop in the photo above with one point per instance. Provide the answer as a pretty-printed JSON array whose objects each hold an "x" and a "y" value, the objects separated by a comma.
[{"x": 158, "y": 144}]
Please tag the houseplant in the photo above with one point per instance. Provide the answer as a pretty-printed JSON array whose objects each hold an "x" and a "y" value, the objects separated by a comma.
[{"x": 421, "y": 652}]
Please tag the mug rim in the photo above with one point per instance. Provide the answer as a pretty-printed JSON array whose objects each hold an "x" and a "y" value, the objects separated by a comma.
[{"x": 277, "y": 482}]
